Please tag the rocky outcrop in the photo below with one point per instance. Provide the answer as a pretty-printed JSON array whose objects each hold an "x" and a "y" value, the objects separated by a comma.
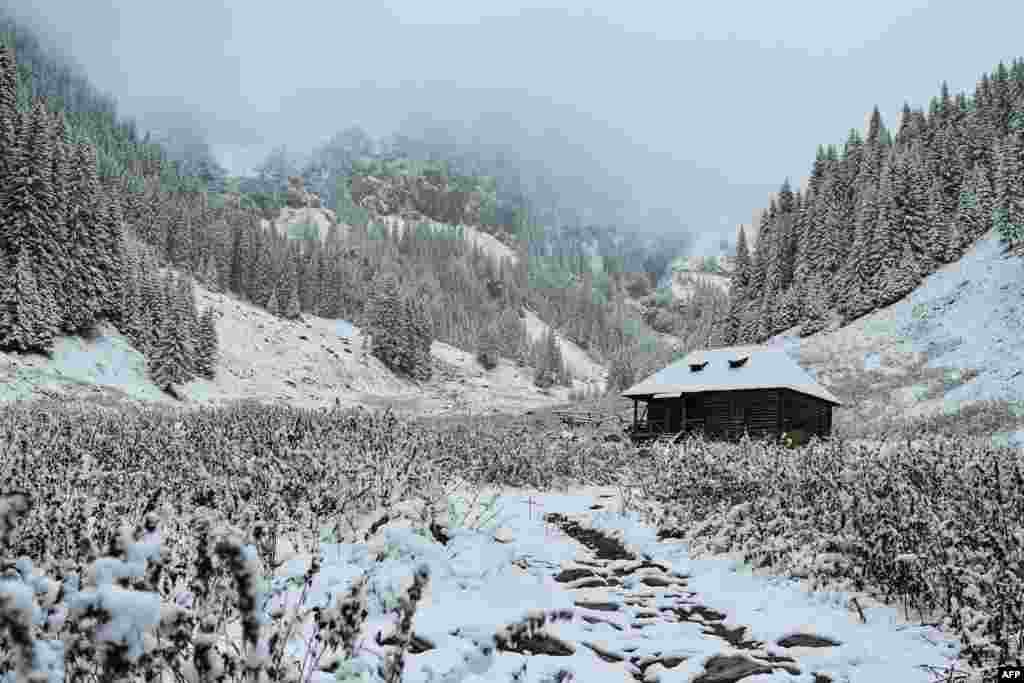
[
  {"x": 298, "y": 197},
  {"x": 695, "y": 264},
  {"x": 685, "y": 283},
  {"x": 414, "y": 197},
  {"x": 302, "y": 213}
]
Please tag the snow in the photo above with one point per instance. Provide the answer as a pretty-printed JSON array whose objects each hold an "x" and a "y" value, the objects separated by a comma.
[
  {"x": 344, "y": 328},
  {"x": 970, "y": 314},
  {"x": 475, "y": 589}
]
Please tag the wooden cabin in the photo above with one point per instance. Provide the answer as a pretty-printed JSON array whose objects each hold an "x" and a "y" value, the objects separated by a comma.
[{"x": 724, "y": 393}]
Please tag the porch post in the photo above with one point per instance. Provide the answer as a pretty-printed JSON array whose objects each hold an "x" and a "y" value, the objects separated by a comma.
[
  {"x": 682, "y": 411},
  {"x": 635, "y": 405}
]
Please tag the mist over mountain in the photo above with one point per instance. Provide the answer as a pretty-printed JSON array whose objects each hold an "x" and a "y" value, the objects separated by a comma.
[{"x": 652, "y": 117}]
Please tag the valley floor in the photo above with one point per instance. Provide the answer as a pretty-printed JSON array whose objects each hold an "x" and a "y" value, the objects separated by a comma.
[{"x": 661, "y": 617}]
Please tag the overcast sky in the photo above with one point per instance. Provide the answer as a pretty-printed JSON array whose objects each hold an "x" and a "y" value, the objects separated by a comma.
[{"x": 698, "y": 110}]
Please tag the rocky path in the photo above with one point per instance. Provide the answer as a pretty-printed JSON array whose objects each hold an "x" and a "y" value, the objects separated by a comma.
[
  {"x": 586, "y": 593},
  {"x": 613, "y": 588}
]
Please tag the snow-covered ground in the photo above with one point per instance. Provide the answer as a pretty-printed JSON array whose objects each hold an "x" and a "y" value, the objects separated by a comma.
[
  {"x": 970, "y": 314},
  {"x": 662, "y": 618}
]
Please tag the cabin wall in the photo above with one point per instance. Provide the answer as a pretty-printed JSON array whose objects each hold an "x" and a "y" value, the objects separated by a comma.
[
  {"x": 672, "y": 408},
  {"x": 800, "y": 411},
  {"x": 757, "y": 412},
  {"x": 727, "y": 414}
]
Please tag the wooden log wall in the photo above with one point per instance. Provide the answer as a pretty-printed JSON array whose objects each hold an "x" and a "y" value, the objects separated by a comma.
[{"x": 800, "y": 411}]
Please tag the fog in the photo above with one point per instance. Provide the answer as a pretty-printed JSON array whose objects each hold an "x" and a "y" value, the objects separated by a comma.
[{"x": 667, "y": 117}]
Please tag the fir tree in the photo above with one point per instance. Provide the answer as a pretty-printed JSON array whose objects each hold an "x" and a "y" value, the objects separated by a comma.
[
  {"x": 420, "y": 365},
  {"x": 207, "y": 348},
  {"x": 170, "y": 361},
  {"x": 131, "y": 305},
  {"x": 766, "y": 317},
  {"x": 759, "y": 262},
  {"x": 27, "y": 318},
  {"x": 880, "y": 249},
  {"x": 939, "y": 245},
  {"x": 82, "y": 283},
  {"x": 856, "y": 276},
  {"x": 749, "y": 319},
  {"x": 10, "y": 144},
  {"x": 273, "y": 307},
  {"x": 621, "y": 370},
  {"x": 901, "y": 278},
  {"x": 292, "y": 309},
  {"x": 549, "y": 368},
  {"x": 187, "y": 316},
  {"x": 210, "y": 275},
  {"x": 29, "y": 212},
  {"x": 111, "y": 257},
  {"x": 1009, "y": 199},
  {"x": 62, "y": 171},
  {"x": 153, "y": 307},
  {"x": 384, "y": 320},
  {"x": 263, "y": 278},
  {"x": 802, "y": 263},
  {"x": 817, "y": 307},
  {"x": 785, "y": 313}
]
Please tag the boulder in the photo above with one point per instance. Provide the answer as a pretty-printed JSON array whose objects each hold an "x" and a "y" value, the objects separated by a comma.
[{"x": 298, "y": 197}]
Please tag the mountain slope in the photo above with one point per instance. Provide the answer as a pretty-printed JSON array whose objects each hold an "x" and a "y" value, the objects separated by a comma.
[
  {"x": 263, "y": 358},
  {"x": 952, "y": 343}
]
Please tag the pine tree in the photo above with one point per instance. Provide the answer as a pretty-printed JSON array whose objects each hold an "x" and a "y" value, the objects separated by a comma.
[
  {"x": 1009, "y": 199},
  {"x": 785, "y": 313},
  {"x": 111, "y": 257},
  {"x": 263, "y": 277},
  {"x": 421, "y": 338},
  {"x": 913, "y": 191},
  {"x": 874, "y": 126},
  {"x": 29, "y": 211},
  {"x": 759, "y": 262},
  {"x": 765, "y": 319},
  {"x": 836, "y": 221},
  {"x": 549, "y": 366},
  {"x": 384, "y": 320},
  {"x": 62, "y": 171},
  {"x": 132, "y": 325},
  {"x": 210, "y": 275},
  {"x": 737, "y": 290},
  {"x": 292, "y": 310},
  {"x": 749, "y": 318},
  {"x": 621, "y": 370},
  {"x": 901, "y": 278},
  {"x": 985, "y": 201},
  {"x": 188, "y": 317},
  {"x": 8, "y": 110},
  {"x": 939, "y": 244},
  {"x": 856, "y": 276},
  {"x": 802, "y": 264},
  {"x": 207, "y": 348},
  {"x": 170, "y": 362},
  {"x": 27, "y": 318},
  {"x": 273, "y": 307},
  {"x": 153, "y": 307},
  {"x": 82, "y": 283},
  {"x": 817, "y": 307}
]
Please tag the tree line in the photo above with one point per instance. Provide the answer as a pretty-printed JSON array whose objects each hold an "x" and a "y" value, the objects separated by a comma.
[
  {"x": 883, "y": 212},
  {"x": 65, "y": 265}
]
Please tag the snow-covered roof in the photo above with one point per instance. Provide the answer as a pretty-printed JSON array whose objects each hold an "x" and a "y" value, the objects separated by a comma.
[{"x": 766, "y": 368}]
